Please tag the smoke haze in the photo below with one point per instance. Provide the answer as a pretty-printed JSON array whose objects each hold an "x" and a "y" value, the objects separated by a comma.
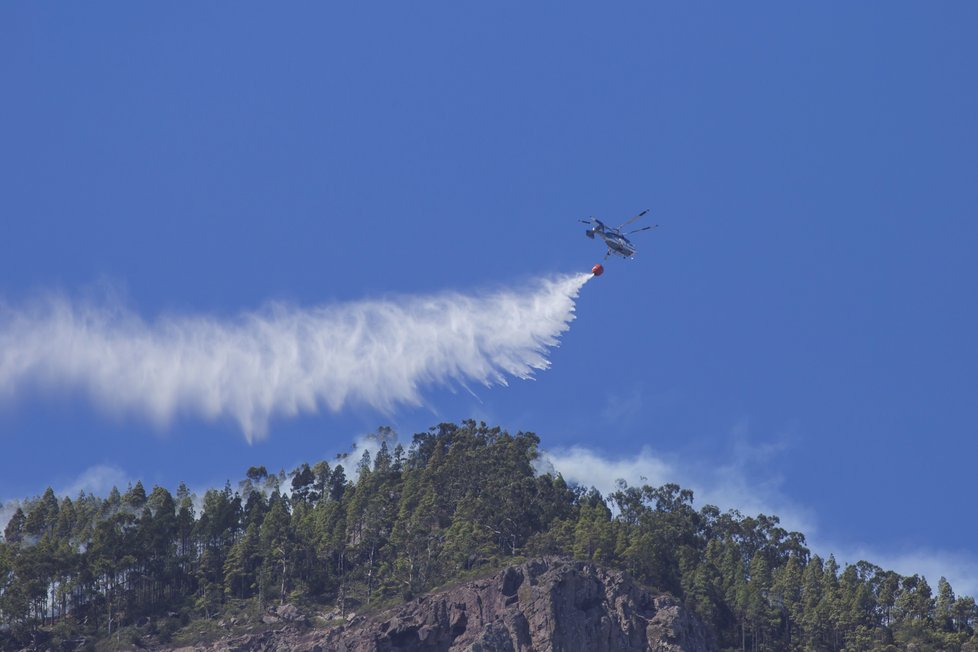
[{"x": 282, "y": 360}]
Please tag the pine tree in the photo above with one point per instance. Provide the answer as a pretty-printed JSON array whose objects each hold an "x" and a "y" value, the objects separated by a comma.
[
  {"x": 943, "y": 614},
  {"x": 14, "y": 531},
  {"x": 276, "y": 548},
  {"x": 240, "y": 579},
  {"x": 786, "y": 598}
]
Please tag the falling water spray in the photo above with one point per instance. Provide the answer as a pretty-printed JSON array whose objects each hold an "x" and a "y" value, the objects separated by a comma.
[{"x": 282, "y": 360}]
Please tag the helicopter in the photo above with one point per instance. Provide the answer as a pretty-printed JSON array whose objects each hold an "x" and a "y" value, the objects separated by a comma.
[{"x": 617, "y": 243}]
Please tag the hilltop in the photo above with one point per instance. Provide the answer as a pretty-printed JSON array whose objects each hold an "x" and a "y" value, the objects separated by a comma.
[{"x": 138, "y": 569}]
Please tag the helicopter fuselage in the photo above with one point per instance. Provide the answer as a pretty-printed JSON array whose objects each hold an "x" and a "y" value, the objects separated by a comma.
[
  {"x": 616, "y": 242},
  {"x": 614, "y": 239}
]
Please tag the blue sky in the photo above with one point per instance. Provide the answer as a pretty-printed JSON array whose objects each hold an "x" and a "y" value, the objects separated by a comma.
[{"x": 799, "y": 335}]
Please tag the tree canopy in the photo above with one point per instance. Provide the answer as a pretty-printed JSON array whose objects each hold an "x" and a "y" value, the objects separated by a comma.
[{"x": 462, "y": 498}]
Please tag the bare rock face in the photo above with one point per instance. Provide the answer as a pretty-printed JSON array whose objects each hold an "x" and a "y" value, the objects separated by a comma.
[
  {"x": 542, "y": 606},
  {"x": 547, "y": 605}
]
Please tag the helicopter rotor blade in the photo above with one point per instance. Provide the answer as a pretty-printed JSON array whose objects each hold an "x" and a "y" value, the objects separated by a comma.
[
  {"x": 644, "y": 228},
  {"x": 634, "y": 218}
]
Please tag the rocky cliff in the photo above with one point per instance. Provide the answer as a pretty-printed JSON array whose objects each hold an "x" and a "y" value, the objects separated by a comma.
[{"x": 547, "y": 605}]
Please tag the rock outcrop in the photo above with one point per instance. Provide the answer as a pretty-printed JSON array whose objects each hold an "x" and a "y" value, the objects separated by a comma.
[
  {"x": 548, "y": 605},
  {"x": 540, "y": 606}
]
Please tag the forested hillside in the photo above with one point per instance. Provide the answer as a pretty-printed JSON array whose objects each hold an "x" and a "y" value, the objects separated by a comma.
[{"x": 462, "y": 499}]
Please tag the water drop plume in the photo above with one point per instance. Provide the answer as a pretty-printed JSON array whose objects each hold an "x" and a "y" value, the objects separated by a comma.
[{"x": 281, "y": 360}]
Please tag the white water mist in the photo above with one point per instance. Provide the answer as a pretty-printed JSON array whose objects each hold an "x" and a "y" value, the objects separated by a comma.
[{"x": 282, "y": 360}]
